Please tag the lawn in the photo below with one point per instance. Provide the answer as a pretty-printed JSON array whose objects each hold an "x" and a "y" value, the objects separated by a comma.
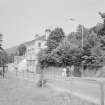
[{"x": 16, "y": 91}]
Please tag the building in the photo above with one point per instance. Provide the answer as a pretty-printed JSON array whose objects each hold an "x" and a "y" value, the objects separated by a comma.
[{"x": 33, "y": 47}]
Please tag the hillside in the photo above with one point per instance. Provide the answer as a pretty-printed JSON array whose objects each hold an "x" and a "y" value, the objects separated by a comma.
[
  {"x": 26, "y": 43},
  {"x": 14, "y": 48},
  {"x": 11, "y": 50}
]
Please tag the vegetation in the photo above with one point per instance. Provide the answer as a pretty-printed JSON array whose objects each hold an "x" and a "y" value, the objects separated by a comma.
[
  {"x": 67, "y": 50},
  {"x": 56, "y": 36},
  {"x": 3, "y": 54},
  {"x": 45, "y": 57},
  {"x": 3, "y": 57},
  {"x": 21, "y": 50},
  {"x": 11, "y": 57}
]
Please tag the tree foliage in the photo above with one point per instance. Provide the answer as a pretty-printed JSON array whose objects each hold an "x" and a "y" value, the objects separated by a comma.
[
  {"x": 101, "y": 32},
  {"x": 45, "y": 57},
  {"x": 21, "y": 50},
  {"x": 55, "y": 37},
  {"x": 66, "y": 54},
  {"x": 3, "y": 56},
  {"x": 67, "y": 50}
]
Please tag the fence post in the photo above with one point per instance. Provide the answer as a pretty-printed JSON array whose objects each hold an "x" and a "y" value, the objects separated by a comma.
[{"x": 101, "y": 93}]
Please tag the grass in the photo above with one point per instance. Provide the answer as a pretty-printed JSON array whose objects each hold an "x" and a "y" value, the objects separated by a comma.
[{"x": 15, "y": 91}]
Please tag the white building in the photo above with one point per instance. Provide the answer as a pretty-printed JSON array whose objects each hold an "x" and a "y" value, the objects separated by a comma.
[{"x": 33, "y": 48}]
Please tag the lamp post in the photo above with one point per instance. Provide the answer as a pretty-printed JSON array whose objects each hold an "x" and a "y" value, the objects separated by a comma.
[
  {"x": 72, "y": 19},
  {"x": 82, "y": 37}
]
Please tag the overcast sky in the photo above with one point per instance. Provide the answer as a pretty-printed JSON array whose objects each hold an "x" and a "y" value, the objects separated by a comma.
[{"x": 20, "y": 20}]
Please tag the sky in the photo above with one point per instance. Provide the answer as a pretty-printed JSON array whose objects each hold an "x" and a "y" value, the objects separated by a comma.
[{"x": 20, "y": 20}]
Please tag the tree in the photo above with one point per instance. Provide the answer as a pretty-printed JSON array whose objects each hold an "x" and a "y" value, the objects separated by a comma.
[
  {"x": 92, "y": 48},
  {"x": 66, "y": 54},
  {"x": 21, "y": 50},
  {"x": 45, "y": 58},
  {"x": 76, "y": 37},
  {"x": 92, "y": 51},
  {"x": 11, "y": 57},
  {"x": 67, "y": 51},
  {"x": 101, "y": 32},
  {"x": 55, "y": 37},
  {"x": 3, "y": 56}
]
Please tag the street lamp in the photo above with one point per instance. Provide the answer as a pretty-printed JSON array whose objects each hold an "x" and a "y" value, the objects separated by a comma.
[
  {"x": 82, "y": 37},
  {"x": 72, "y": 19}
]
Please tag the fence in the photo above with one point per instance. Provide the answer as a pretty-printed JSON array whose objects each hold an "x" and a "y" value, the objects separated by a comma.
[
  {"x": 17, "y": 59},
  {"x": 90, "y": 89},
  {"x": 3, "y": 70}
]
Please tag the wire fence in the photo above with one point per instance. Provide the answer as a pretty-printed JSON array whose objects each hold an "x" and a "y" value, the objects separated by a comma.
[{"x": 90, "y": 89}]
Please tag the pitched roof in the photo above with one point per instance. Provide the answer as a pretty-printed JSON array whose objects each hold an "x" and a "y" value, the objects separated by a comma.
[
  {"x": 38, "y": 38},
  {"x": 27, "y": 43}
]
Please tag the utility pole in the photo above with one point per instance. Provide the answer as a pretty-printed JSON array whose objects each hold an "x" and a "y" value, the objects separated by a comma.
[
  {"x": 74, "y": 20},
  {"x": 82, "y": 29},
  {"x": 82, "y": 71},
  {"x": 82, "y": 37}
]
